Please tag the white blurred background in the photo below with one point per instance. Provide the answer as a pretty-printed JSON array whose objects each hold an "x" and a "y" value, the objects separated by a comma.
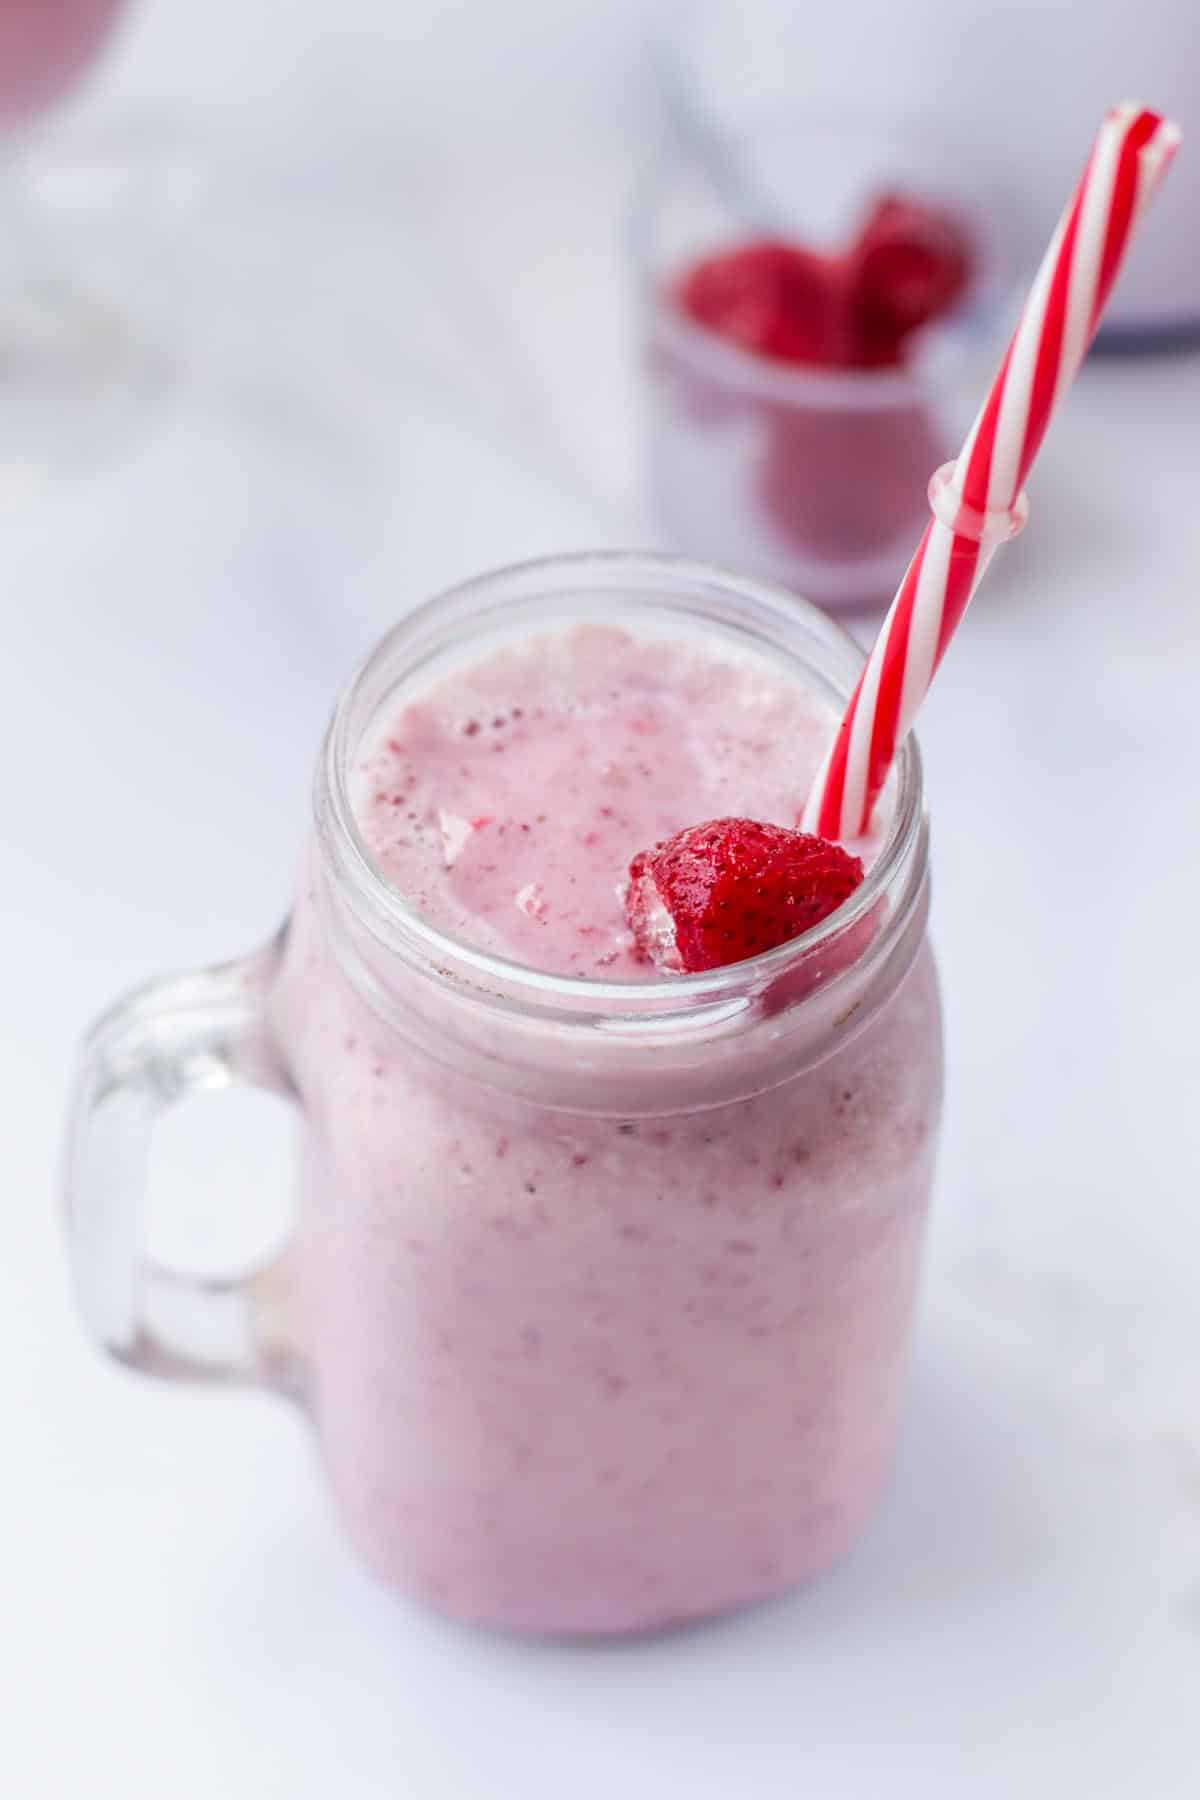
[{"x": 381, "y": 247}]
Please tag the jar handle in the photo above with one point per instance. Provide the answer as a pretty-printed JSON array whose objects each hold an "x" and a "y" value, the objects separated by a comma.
[{"x": 187, "y": 1035}]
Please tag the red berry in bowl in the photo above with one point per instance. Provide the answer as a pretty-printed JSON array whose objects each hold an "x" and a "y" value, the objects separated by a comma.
[
  {"x": 910, "y": 265},
  {"x": 772, "y": 298}
]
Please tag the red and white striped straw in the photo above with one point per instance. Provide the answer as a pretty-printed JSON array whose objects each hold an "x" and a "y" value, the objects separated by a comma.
[{"x": 978, "y": 501}]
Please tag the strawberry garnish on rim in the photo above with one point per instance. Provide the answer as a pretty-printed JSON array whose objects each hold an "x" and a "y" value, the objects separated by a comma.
[{"x": 723, "y": 891}]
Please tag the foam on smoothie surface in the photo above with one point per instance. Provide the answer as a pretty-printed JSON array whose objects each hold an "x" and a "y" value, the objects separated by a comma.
[{"x": 504, "y": 802}]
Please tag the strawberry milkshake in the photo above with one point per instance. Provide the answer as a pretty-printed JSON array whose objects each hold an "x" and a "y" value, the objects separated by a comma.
[
  {"x": 605, "y": 1277},
  {"x": 621, "y": 1087}
]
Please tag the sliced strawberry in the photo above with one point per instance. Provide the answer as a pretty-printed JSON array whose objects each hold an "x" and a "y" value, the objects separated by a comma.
[{"x": 732, "y": 888}]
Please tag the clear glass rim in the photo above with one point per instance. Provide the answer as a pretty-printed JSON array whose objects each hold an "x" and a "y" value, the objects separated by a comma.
[
  {"x": 399, "y": 927},
  {"x": 850, "y": 389}
]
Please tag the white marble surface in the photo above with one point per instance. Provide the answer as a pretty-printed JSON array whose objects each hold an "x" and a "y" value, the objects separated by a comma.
[{"x": 179, "y": 1617}]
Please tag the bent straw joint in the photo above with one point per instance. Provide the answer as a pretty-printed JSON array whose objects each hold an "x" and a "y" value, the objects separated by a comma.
[
  {"x": 992, "y": 526},
  {"x": 979, "y": 501}
]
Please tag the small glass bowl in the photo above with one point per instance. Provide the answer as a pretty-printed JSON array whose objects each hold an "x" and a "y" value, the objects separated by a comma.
[{"x": 813, "y": 477}]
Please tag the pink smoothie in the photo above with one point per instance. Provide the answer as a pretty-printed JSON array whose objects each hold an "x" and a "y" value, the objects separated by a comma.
[
  {"x": 506, "y": 805},
  {"x": 575, "y": 1371},
  {"x": 46, "y": 46}
]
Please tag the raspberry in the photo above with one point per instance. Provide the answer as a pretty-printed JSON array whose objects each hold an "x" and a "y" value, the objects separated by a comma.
[
  {"x": 909, "y": 265},
  {"x": 720, "y": 892},
  {"x": 774, "y": 299}
]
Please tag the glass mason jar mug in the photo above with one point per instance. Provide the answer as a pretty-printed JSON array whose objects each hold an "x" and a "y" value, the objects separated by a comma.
[{"x": 599, "y": 1293}]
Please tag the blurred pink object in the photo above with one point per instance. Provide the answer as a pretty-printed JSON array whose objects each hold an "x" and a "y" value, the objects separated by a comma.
[
  {"x": 76, "y": 371},
  {"x": 46, "y": 47}
]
